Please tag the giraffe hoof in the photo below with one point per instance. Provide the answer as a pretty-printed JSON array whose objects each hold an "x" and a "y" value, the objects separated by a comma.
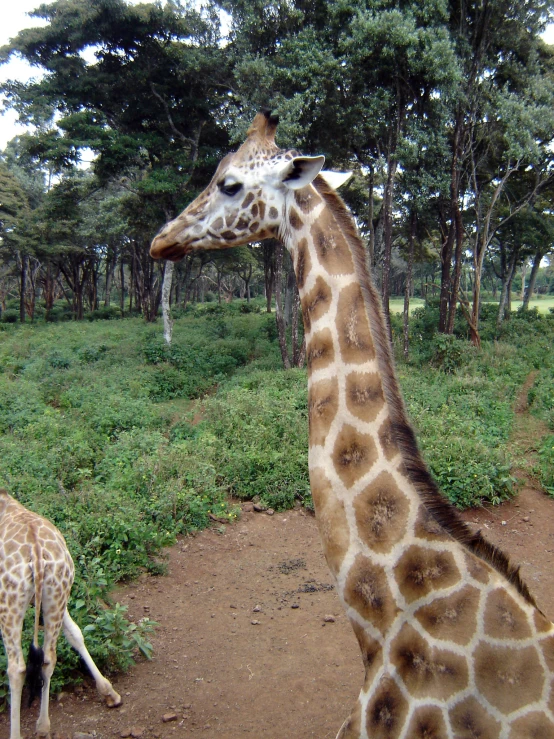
[{"x": 113, "y": 701}]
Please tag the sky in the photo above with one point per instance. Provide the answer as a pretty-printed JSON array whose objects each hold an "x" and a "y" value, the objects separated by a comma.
[{"x": 14, "y": 19}]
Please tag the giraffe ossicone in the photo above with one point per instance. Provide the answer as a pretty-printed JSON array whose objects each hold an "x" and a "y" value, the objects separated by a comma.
[
  {"x": 452, "y": 641},
  {"x": 35, "y": 563}
]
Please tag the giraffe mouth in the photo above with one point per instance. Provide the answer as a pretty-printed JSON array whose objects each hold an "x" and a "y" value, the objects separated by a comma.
[{"x": 163, "y": 248}]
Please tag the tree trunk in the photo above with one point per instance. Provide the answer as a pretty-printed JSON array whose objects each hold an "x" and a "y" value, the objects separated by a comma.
[
  {"x": 371, "y": 227},
  {"x": 507, "y": 277},
  {"x": 289, "y": 291},
  {"x": 458, "y": 258},
  {"x": 166, "y": 308},
  {"x": 269, "y": 271},
  {"x": 523, "y": 276},
  {"x": 408, "y": 286},
  {"x": 532, "y": 279},
  {"x": 122, "y": 280},
  {"x": 279, "y": 318},
  {"x": 22, "y": 287},
  {"x": 387, "y": 244}
]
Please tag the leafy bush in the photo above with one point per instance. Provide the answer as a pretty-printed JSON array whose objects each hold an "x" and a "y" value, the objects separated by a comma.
[
  {"x": 9, "y": 315},
  {"x": 546, "y": 464}
]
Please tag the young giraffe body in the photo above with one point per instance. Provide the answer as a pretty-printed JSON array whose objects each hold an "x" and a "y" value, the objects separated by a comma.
[
  {"x": 453, "y": 644},
  {"x": 35, "y": 562}
]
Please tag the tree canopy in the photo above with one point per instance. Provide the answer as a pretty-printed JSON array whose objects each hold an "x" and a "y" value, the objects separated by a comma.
[{"x": 444, "y": 110}]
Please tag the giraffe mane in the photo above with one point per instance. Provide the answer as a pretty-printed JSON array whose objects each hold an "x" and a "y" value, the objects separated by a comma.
[{"x": 434, "y": 501}]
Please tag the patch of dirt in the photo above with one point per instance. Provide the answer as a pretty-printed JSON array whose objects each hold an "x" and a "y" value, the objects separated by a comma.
[
  {"x": 242, "y": 647},
  {"x": 291, "y": 674}
]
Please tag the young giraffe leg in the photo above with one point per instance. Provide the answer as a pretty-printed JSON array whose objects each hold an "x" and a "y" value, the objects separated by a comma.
[
  {"x": 74, "y": 636},
  {"x": 16, "y": 676},
  {"x": 52, "y": 626}
]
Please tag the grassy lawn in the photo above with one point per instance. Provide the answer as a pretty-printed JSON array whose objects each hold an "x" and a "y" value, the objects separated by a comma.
[{"x": 397, "y": 304}]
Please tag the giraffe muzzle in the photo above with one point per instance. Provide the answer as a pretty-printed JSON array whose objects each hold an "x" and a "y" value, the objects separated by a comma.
[{"x": 167, "y": 248}]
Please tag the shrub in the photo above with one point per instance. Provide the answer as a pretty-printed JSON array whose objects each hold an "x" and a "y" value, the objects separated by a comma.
[
  {"x": 546, "y": 464},
  {"x": 9, "y": 316}
]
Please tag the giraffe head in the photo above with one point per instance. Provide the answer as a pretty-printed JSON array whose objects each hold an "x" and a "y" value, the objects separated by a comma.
[{"x": 244, "y": 202}]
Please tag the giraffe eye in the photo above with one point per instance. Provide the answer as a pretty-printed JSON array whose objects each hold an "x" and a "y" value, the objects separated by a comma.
[{"x": 231, "y": 189}]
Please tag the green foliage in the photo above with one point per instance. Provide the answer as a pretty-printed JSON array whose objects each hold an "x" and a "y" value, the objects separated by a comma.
[
  {"x": 92, "y": 438},
  {"x": 541, "y": 396},
  {"x": 9, "y": 315},
  {"x": 546, "y": 464},
  {"x": 463, "y": 420}
]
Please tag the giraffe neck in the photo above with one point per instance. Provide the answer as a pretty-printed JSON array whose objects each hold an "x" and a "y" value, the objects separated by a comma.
[
  {"x": 365, "y": 503},
  {"x": 359, "y": 432}
]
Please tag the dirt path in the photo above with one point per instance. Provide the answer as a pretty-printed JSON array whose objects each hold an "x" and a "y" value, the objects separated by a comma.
[{"x": 243, "y": 648}]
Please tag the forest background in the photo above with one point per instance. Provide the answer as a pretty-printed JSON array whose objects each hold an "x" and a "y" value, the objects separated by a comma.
[{"x": 443, "y": 110}]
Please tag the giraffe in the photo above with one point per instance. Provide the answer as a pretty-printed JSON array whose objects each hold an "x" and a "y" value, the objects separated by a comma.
[
  {"x": 452, "y": 641},
  {"x": 35, "y": 562}
]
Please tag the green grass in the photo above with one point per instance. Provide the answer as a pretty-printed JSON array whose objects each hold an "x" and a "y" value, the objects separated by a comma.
[
  {"x": 396, "y": 304},
  {"x": 543, "y": 303}
]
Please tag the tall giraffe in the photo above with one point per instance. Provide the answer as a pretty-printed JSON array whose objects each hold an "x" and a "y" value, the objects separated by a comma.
[
  {"x": 452, "y": 641},
  {"x": 35, "y": 562}
]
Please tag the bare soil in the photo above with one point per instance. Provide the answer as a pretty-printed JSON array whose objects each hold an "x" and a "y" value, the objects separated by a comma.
[{"x": 243, "y": 648}]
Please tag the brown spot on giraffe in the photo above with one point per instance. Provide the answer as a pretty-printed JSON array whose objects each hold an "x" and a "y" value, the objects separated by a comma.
[
  {"x": 229, "y": 235},
  {"x": 316, "y": 303},
  {"x": 320, "y": 352},
  {"x": 420, "y": 571},
  {"x": 273, "y": 213},
  {"x": 364, "y": 395},
  {"x": 367, "y": 591},
  {"x": 508, "y": 677},
  {"x": 426, "y": 671},
  {"x": 428, "y": 528},
  {"x": 217, "y": 225},
  {"x": 303, "y": 264},
  {"x": 542, "y": 624},
  {"x": 479, "y": 570},
  {"x": 356, "y": 344},
  {"x": 323, "y": 404},
  {"x": 386, "y": 711},
  {"x": 389, "y": 447},
  {"x": 381, "y": 513},
  {"x": 372, "y": 653},
  {"x": 453, "y": 618},
  {"x": 534, "y": 725},
  {"x": 469, "y": 720},
  {"x": 331, "y": 520},
  {"x": 295, "y": 220},
  {"x": 247, "y": 200},
  {"x": 547, "y": 646},
  {"x": 230, "y": 219},
  {"x": 254, "y": 226},
  {"x": 254, "y": 210},
  {"x": 331, "y": 247},
  {"x": 503, "y": 618},
  {"x": 427, "y": 723},
  {"x": 307, "y": 199},
  {"x": 354, "y": 454}
]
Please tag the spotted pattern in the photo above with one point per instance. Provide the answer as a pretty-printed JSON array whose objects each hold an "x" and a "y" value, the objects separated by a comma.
[{"x": 35, "y": 563}]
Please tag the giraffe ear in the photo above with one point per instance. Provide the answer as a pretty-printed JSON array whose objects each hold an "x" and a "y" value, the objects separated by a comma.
[
  {"x": 335, "y": 179},
  {"x": 301, "y": 171}
]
